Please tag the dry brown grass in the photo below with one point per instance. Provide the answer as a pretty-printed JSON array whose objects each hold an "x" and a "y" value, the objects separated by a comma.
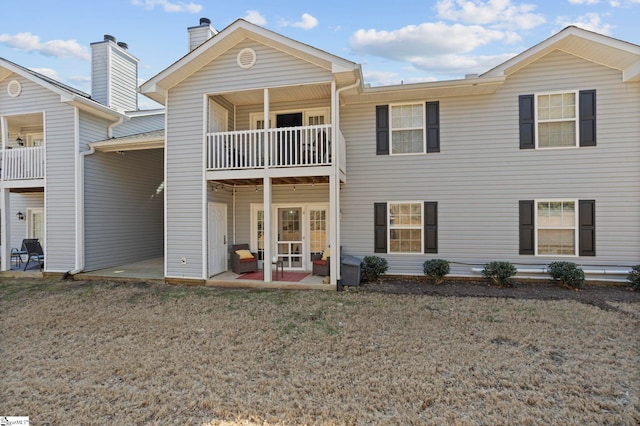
[{"x": 113, "y": 353}]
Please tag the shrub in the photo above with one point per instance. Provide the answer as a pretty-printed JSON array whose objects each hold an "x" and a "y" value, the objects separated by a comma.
[
  {"x": 373, "y": 267},
  {"x": 436, "y": 269},
  {"x": 634, "y": 277},
  {"x": 499, "y": 273},
  {"x": 568, "y": 274}
]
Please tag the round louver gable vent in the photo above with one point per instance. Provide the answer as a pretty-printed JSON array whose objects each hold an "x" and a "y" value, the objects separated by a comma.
[
  {"x": 14, "y": 88},
  {"x": 246, "y": 58}
]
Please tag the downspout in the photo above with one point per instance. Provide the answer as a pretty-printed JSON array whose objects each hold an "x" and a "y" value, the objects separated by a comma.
[
  {"x": 336, "y": 171},
  {"x": 80, "y": 259}
]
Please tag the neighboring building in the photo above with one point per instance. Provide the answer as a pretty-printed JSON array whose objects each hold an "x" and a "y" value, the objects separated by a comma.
[
  {"x": 280, "y": 145},
  {"x": 274, "y": 143},
  {"x": 88, "y": 209}
]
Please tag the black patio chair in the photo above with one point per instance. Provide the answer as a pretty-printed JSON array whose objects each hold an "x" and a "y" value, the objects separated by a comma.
[{"x": 34, "y": 252}]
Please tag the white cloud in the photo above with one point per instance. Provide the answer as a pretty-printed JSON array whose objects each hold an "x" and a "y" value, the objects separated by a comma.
[
  {"x": 424, "y": 40},
  {"x": 589, "y": 21},
  {"x": 167, "y": 6},
  {"x": 58, "y": 48},
  {"x": 584, "y": 1},
  {"x": 388, "y": 78},
  {"x": 497, "y": 13},
  {"x": 306, "y": 23},
  {"x": 255, "y": 17}
]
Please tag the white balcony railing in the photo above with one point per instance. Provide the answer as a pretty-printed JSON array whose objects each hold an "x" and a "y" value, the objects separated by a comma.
[
  {"x": 23, "y": 163},
  {"x": 286, "y": 147}
]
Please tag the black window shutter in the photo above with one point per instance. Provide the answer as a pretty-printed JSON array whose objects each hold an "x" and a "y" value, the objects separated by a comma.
[
  {"x": 527, "y": 227},
  {"x": 430, "y": 227},
  {"x": 587, "y": 101},
  {"x": 587, "y": 227},
  {"x": 380, "y": 227},
  {"x": 382, "y": 129},
  {"x": 433, "y": 126},
  {"x": 527, "y": 122}
]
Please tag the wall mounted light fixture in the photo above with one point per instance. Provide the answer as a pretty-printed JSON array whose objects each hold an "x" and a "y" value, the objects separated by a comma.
[
  {"x": 20, "y": 216},
  {"x": 19, "y": 141}
]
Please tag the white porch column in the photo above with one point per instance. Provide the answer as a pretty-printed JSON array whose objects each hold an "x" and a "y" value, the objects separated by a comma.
[
  {"x": 5, "y": 206},
  {"x": 266, "y": 263},
  {"x": 334, "y": 191}
]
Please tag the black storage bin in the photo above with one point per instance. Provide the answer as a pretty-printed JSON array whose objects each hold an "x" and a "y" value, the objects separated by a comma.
[{"x": 350, "y": 271}]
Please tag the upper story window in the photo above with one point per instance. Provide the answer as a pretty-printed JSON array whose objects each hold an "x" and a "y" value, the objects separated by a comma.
[
  {"x": 557, "y": 120},
  {"x": 556, "y": 114},
  {"x": 407, "y": 129},
  {"x": 412, "y": 128}
]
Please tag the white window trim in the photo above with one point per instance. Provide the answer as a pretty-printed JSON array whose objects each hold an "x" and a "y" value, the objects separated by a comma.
[
  {"x": 29, "y": 219},
  {"x": 421, "y": 252},
  {"x": 575, "y": 119},
  {"x": 424, "y": 128},
  {"x": 254, "y": 117},
  {"x": 576, "y": 226}
]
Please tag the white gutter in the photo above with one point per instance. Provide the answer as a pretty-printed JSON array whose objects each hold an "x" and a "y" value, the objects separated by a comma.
[{"x": 80, "y": 258}]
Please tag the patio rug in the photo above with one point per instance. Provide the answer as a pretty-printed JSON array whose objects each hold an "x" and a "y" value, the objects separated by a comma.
[{"x": 293, "y": 277}]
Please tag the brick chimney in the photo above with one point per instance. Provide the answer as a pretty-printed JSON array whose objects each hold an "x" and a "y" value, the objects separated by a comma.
[
  {"x": 114, "y": 75},
  {"x": 201, "y": 33}
]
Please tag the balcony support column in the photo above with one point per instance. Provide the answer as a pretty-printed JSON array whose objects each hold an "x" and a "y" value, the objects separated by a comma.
[
  {"x": 5, "y": 208},
  {"x": 268, "y": 244}
]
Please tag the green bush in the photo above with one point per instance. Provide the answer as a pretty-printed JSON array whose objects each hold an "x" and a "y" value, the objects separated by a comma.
[
  {"x": 499, "y": 273},
  {"x": 373, "y": 267},
  {"x": 634, "y": 277},
  {"x": 568, "y": 274},
  {"x": 436, "y": 269}
]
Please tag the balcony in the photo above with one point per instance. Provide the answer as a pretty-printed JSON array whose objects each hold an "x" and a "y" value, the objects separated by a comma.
[
  {"x": 22, "y": 163},
  {"x": 304, "y": 146}
]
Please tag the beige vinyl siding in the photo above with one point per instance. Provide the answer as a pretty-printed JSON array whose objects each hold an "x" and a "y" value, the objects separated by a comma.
[
  {"x": 185, "y": 141},
  {"x": 124, "y": 207},
  {"x": 142, "y": 124},
  {"x": 480, "y": 173}
]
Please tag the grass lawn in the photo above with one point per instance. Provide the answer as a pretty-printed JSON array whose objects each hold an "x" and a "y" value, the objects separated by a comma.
[{"x": 115, "y": 353}]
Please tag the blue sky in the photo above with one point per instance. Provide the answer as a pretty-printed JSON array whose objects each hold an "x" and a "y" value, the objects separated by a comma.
[{"x": 395, "y": 41}]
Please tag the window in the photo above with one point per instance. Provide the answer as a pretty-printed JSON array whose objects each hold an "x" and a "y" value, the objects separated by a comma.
[
  {"x": 407, "y": 129},
  {"x": 405, "y": 227},
  {"x": 558, "y": 120},
  {"x": 556, "y": 115},
  {"x": 558, "y": 227}
]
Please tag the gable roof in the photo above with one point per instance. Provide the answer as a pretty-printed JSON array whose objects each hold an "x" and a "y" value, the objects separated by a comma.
[
  {"x": 157, "y": 86},
  {"x": 594, "y": 47},
  {"x": 67, "y": 94}
]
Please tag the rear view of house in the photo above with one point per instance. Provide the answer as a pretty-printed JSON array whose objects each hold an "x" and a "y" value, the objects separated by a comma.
[{"x": 276, "y": 144}]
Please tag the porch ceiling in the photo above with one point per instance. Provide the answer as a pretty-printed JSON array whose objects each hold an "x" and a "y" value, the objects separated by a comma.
[
  {"x": 289, "y": 180},
  {"x": 284, "y": 94}
]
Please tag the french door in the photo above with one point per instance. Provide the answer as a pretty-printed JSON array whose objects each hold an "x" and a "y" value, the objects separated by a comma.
[{"x": 298, "y": 233}]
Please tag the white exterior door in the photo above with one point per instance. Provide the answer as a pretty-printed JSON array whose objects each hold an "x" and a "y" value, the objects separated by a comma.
[{"x": 217, "y": 238}]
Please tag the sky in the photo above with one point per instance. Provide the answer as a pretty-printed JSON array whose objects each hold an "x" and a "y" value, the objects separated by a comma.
[{"x": 395, "y": 41}]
